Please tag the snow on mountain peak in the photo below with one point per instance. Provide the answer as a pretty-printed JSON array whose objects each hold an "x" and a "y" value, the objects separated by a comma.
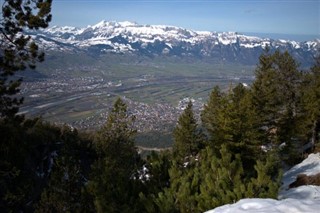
[
  {"x": 113, "y": 24},
  {"x": 129, "y": 36},
  {"x": 109, "y": 29},
  {"x": 127, "y": 23},
  {"x": 61, "y": 30},
  {"x": 149, "y": 33}
]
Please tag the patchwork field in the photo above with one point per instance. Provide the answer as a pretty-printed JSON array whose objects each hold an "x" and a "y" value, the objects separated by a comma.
[{"x": 80, "y": 90}]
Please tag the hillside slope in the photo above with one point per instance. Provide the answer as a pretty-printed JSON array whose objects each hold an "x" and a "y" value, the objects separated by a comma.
[{"x": 295, "y": 200}]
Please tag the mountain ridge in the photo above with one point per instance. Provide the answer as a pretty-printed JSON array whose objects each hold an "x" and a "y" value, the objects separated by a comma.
[{"x": 154, "y": 40}]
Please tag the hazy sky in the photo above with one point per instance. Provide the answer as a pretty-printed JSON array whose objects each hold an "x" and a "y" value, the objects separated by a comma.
[{"x": 259, "y": 16}]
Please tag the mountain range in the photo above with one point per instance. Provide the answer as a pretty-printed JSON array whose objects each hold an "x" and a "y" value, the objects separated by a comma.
[{"x": 169, "y": 41}]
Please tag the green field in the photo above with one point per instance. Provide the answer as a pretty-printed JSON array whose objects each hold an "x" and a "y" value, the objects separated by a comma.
[{"x": 79, "y": 89}]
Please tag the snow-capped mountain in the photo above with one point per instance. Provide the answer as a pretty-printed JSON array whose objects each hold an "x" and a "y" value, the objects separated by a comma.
[{"x": 152, "y": 40}]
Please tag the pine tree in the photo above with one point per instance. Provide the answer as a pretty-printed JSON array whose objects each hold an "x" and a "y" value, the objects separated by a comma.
[
  {"x": 181, "y": 194},
  {"x": 276, "y": 97},
  {"x": 188, "y": 139},
  {"x": 309, "y": 126},
  {"x": 233, "y": 122},
  {"x": 224, "y": 180},
  {"x": 210, "y": 117},
  {"x": 18, "y": 51},
  {"x": 113, "y": 178},
  {"x": 24, "y": 161},
  {"x": 204, "y": 183},
  {"x": 221, "y": 179},
  {"x": 166, "y": 202},
  {"x": 63, "y": 193},
  {"x": 157, "y": 165},
  {"x": 265, "y": 96},
  {"x": 268, "y": 178},
  {"x": 290, "y": 80},
  {"x": 243, "y": 127},
  {"x": 67, "y": 178},
  {"x": 14, "y": 182}
]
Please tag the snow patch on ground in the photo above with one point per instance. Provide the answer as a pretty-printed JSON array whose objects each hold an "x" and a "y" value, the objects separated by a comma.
[
  {"x": 310, "y": 166},
  {"x": 269, "y": 205},
  {"x": 295, "y": 200}
]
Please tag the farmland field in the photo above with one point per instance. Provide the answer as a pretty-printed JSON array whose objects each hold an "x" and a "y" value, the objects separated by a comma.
[{"x": 80, "y": 90}]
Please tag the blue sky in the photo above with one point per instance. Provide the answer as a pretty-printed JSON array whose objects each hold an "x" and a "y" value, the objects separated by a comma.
[{"x": 300, "y": 17}]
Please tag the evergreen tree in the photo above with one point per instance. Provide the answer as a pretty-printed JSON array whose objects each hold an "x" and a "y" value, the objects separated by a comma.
[
  {"x": 64, "y": 192},
  {"x": 181, "y": 194},
  {"x": 112, "y": 183},
  {"x": 222, "y": 181},
  {"x": 276, "y": 97},
  {"x": 210, "y": 117},
  {"x": 290, "y": 80},
  {"x": 207, "y": 182},
  {"x": 14, "y": 182},
  {"x": 18, "y": 51},
  {"x": 188, "y": 139},
  {"x": 268, "y": 178},
  {"x": 225, "y": 180},
  {"x": 309, "y": 126},
  {"x": 243, "y": 126},
  {"x": 231, "y": 119},
  {"x": 157, "y": 165},
  {"x": 17, "y": 153},
  {"x": 25, "y": 162},
  {"x": 165, "y": 202},
  {"x": 265, "y": 96}
]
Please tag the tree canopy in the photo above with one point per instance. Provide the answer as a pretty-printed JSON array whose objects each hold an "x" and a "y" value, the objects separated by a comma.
[{"x": 18, "y": 50}]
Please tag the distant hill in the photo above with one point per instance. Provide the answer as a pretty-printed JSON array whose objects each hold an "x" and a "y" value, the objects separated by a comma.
[{"x": 170, "y": 41}]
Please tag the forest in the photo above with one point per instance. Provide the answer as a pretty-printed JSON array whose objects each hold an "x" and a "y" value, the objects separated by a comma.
[{"x": 246, "y": 138}]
